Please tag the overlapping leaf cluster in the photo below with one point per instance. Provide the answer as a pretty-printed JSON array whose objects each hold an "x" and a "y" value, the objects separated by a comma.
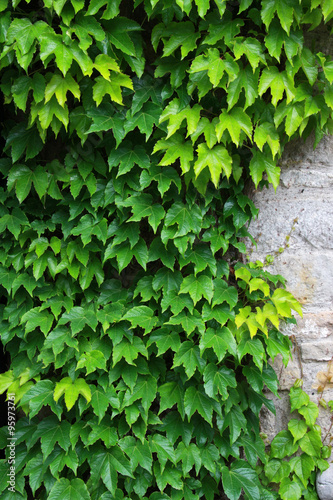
[
  {"x": 295, "y": 454},
  {"x": 138, "y": 344}
]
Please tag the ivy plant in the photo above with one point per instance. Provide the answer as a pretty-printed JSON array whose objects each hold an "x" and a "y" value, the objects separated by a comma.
[
  {"x": 296, "y": 453},
  {"x": 138, "y": 339}
]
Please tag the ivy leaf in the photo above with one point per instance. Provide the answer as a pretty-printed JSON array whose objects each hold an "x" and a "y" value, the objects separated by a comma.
[
  {"x": 163, "y": 447},
  {"x": 236, "y": 421},
  {"x": 59, "y": 86},
  {"x": 187, "y": 219},
  {"x": 172, "y": 394},
  {"x": 69, "y": 490},
  {"x": 41, "y": 394},
  {"x": 238, "y": 476},
  {"x": 126, "y": 157},
  {"x": 261, "y": 163},
  {"x": 278, "y": 83},
  {"x": 51, "y": 431},
  {"x": 197, "y": 287},
  {"x": 188, "y": 321},
  {"x": 52, "y": 44},
  {"x": 163, "y": 176},
  {"x": 106, "y": 465},
  {"x": 142, "y": 206},
  {"x": 284, "y": 302},
  {"x": 92, "y": 361},
  {"x": 139, "y": 453},
  {"x": 235, "y": 121},
  {"x": 197, "y": 400},
  {"x": 276, "y": 470},
  {"x": 175, "y": 148},
  {"x": 189, "y": 356},
  {"x": 247, "y": 80},
  {"x": 303, "y": 467},
  {"x": 310, "y": 412},
  {"x": 180, "y": 35},
  {"x": 71, "y": 391},
  {"x": 78, "y": 318},
  {"x": 145, "y": 119},
  {"x": 21, "y": 139},
  {"x": 111, "y": 87},
  {"x": 118, "y": 30},
  {"x": 251, "y": 48},
  {"x": 86, "y": 26},
  {"x": 298, "y": 398},
  {"x": 216, "y": 159},
  {"x": 224, "y": 293},
  {"x": 290, "y": 490},
  {"x": 283, "y": 445},
  {"x": 217, "y": 380},
  {"x": 129, "y": 350},
  {"x": 141, "y": 316},
  {"x": 22, "y": 178},
  {"x": 266, "y": 133},
  {"x": 220, "y": 340},
  {"x": 298, "y": 428}
]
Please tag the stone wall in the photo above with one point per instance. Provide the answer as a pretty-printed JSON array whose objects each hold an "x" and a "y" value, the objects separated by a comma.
[{"x": 302, "y": 208}]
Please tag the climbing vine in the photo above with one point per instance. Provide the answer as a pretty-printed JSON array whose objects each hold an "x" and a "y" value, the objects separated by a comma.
[{"x": 138, "y": 339}]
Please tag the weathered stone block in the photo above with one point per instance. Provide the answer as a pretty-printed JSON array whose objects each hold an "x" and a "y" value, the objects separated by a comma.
[{"x": 324, "y": 484}]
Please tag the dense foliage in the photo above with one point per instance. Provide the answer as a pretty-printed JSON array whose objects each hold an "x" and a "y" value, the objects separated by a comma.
[{"x": 138, "y": 338}]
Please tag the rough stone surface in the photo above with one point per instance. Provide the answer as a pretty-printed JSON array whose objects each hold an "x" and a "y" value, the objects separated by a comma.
[
  {"x": 324, "y": 484},
  {"x": 302, "y": 207}
]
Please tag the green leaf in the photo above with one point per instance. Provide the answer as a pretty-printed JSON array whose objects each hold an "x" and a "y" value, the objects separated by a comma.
[
  {"x": 172, "y": 394},
  {"x": 303, "y": 467},
  {"x": 266, "y": 133},
  {"x": 176, "y": 35},
  {"x": 189, "y": 356},
  {"x": 310, "y": 412},
  {"x": 261, "y": 163},
  {"x": 71, "y": 391},
  {"x": 197, "y": 287},
  {"x": 216, "y": 159},
  {"x": 278, "y": 83},
  {"x": 59, "y": 86},
  {"x": 298, "y": 398},
  {"x": 145, "y": 119},
  {"x": 311, "y": 443},
  {"x": 197, "y": 400},
  {"x": 175, "y": 148},
  {"x": 224, "y": 293},
  {"x": 298, "y": 428},
  {"x": 51, "y": 431},
  {"x": 141, "y": 316},
  {"x": 290, "y": 490},
  {"x": 21, "y": 140},
  {"x": 235, "y": 121},
  {"x": 139, "y": 453},
  {"x": 220, "y": 340},
  {"x": 283, "y": 445},
  {"x": 187, "y": 219},
  {"x": 112, "y": 87},
  {"x": 69, "y": 490},
  {"x": 247, "y": 80},
  {"x": 40, "y": 395},
  {"x": 217, "y": 380},
  {"x": 284, "y": 302},
  {"x": 23, "y": 32},
  {"x": 78, "y": 318},
  {"x": 142, "y": 206},
  {"x": 238, "y": 476},
  {"x": 163, "y": 447},
  {"x": 106, "y": 465},
  {"x": 276, "y": 470}
]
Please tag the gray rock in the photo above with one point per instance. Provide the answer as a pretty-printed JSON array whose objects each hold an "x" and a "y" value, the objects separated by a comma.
[{"x": 324, "y": 484}]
